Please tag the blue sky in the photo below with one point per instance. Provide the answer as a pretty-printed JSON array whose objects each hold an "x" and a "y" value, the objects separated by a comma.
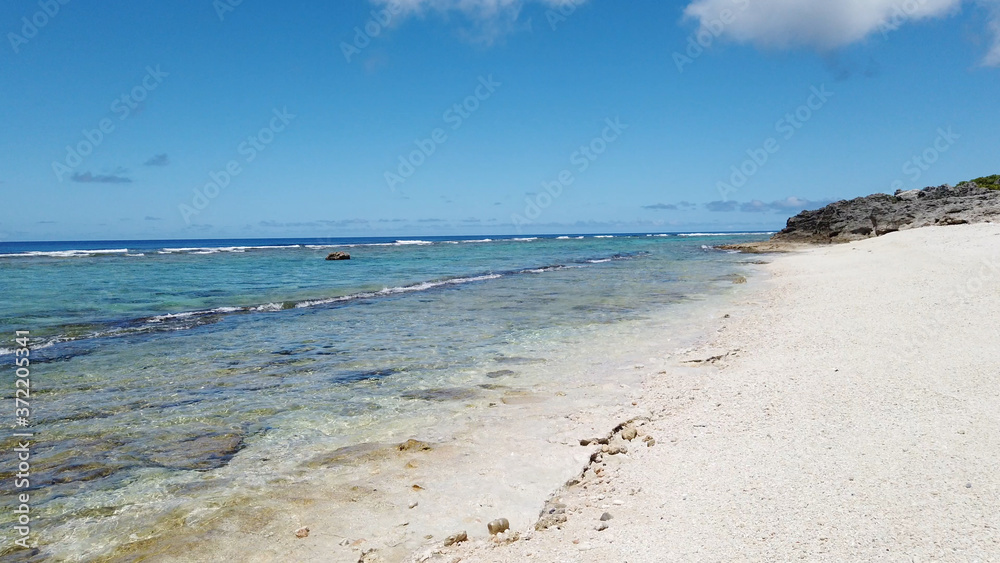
[{"x": 199, "y": 119}]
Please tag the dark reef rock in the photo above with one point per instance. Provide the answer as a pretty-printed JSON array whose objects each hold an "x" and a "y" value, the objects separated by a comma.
[
  {"x": 198, "y": 452},
  {"x": 878, "y": 214},
  {"x": 338, "y": 256}
]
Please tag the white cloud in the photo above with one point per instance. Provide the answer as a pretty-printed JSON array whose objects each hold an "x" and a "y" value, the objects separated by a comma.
[
  {"x": 485, "y": 8},
  {"x": 490, "y": 19},
  {"x": 993, "y": 57},
  {"x": 825, "y": 24}
]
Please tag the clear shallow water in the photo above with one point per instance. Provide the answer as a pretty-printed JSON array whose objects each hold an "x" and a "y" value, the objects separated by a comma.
[{"x": 162, "y": 364}]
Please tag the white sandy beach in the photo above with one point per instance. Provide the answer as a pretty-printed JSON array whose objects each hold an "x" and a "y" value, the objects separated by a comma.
[
  {"x": 844, "y": 405},
  {"x": 855, "y": 416}
]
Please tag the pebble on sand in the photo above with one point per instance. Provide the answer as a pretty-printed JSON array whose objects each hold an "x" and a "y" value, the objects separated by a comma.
[
  {"x": 302, "y": 532},
  {"x": 497, "y": 526},
  {"x": 456, "y": 538}
]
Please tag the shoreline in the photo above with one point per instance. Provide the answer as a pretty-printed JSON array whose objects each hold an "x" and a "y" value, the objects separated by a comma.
[
  {"x": 408, "y": 491},
  {"x": 846, "y": 412}
]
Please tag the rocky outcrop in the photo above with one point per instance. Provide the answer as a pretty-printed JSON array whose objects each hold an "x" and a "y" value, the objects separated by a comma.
[
  {"x": 338, "y": 256},
  {"x": 878, "y": 214}
]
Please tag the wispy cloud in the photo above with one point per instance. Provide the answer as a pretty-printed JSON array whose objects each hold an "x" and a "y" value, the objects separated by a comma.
[
  {"x": 789, "y": 205},
  {"x": 151, "y": 218},
  {"x": 485, "y": 21},
  {"x": 318, "y": 223},
  {"x": 88, "y": 178},
  {"x": 755, "y": 206},
  {"x": 721, "y": 206},
  {"x": 796, "y": 204},
  {"x": 158, "y": 160},
  {"x": 826, "y": 25},
  {"x": 992, "y": 58}
]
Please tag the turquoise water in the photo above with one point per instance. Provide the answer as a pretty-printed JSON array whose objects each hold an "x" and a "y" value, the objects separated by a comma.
[{"x": 156, "y": 364}]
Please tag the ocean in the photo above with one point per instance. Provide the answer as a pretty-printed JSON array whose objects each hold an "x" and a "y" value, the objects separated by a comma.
[{"x": 157, "y": 367}]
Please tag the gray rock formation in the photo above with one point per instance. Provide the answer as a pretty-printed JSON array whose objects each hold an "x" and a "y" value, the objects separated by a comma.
[
  {"x": 878, "y": 214},
  {"x": 338, "y": 256}
]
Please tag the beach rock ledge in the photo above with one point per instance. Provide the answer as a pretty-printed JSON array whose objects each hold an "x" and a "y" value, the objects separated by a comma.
[{"x": 878, "y": 214}]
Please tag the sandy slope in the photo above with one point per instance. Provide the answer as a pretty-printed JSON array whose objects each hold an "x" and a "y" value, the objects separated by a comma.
[{"x": 856, "y": 418}]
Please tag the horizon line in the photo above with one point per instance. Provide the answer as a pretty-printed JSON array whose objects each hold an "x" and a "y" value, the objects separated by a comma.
[{"x": 411, "y": 237}]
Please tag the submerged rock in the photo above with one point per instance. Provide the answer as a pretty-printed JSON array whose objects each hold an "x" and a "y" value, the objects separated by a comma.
[
  {"x": 201, "y": 453},
  {"x": 78, "y": 472},
  {"x": 442, "y": 394},
  {"x": 347, "y": 454},
  {"x": 518, "y": 360}
]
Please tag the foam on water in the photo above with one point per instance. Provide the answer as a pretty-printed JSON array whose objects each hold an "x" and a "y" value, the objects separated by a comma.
[
  {"x": 67, "y": 253},
  {"x": 409, "y": 242}
]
